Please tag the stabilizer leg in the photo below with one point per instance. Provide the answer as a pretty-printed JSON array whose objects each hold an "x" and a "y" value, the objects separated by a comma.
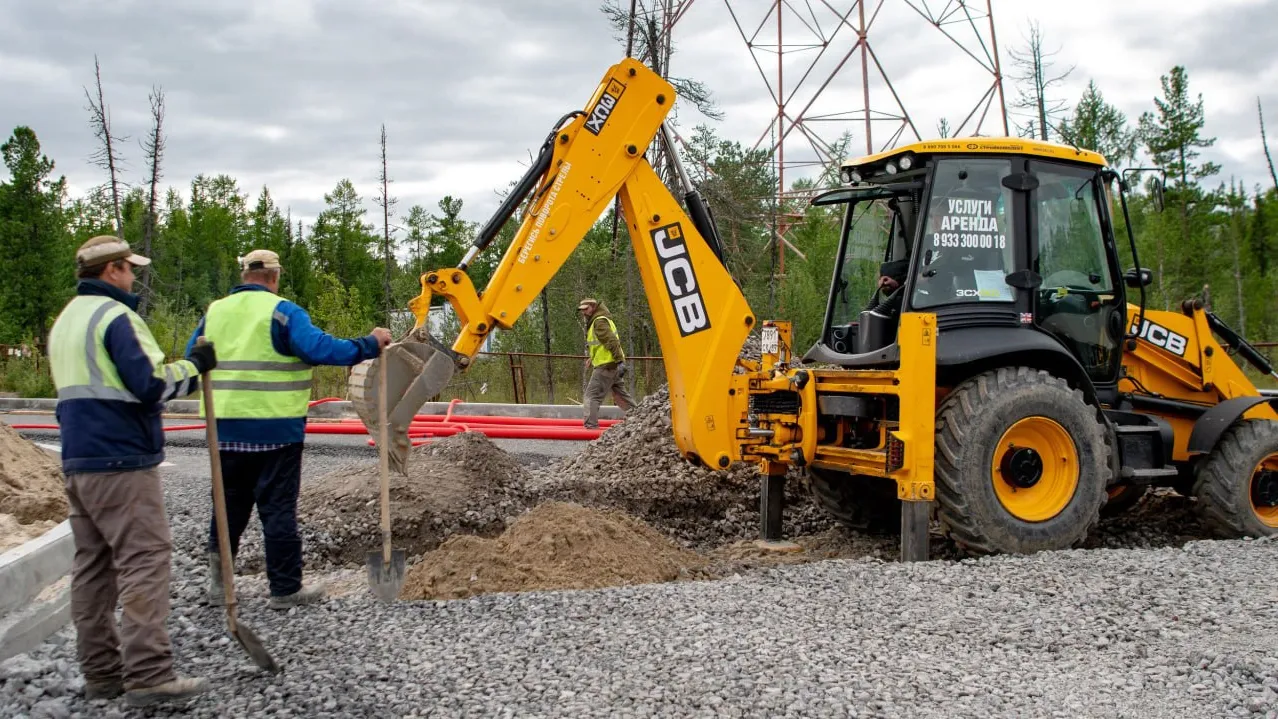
[
  {"x": 771, "y": 503},
  {"x": 914, "y": 537}
]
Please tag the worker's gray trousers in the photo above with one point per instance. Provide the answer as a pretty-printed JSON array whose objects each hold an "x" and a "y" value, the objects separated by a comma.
[
  {"x": 122, "y": 552},
  {"x": 605, "y": 379}
]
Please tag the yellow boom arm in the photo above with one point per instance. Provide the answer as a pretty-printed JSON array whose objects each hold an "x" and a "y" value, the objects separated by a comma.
[{"x": 700, "y": 315}]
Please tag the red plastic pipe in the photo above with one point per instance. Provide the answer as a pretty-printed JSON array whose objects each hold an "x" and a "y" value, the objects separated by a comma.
[
  {"x": 552, "y": 433},
  {"x": 505, "y": 419}
]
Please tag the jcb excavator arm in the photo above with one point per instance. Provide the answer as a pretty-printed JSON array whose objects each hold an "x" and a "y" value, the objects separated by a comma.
[{"x": 700, "y": 314}]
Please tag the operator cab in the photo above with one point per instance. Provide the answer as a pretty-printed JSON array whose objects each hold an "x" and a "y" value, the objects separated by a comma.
[{"x": 985, "y": 233}]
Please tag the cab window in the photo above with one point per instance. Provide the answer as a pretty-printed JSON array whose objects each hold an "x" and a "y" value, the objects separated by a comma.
[
  {"x": 967, "y": 248},
  {"x": 1071, "y": 246}
]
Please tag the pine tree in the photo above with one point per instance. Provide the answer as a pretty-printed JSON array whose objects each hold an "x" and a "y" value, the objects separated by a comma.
[
  {"x": 1173, "y": 137},
  {"x": 32, "y": 239},
  {"x": 1101, "y": 127}
]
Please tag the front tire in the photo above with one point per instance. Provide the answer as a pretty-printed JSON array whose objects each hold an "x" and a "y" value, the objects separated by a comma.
[
  {"x": 1237, "y": 487},
  {"x": 1022, "y": 463}
]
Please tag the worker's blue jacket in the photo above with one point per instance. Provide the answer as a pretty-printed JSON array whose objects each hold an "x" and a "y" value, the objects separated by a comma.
[
  {"x": 292, "y": 334},
  {"x": 112, "y": 382}
]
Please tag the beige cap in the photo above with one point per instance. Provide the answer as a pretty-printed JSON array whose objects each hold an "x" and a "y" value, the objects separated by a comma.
[
  {"x": 260, "y": 260},
  {"x": 587, "y": 303},
  {"x": 107, "y": 248}
]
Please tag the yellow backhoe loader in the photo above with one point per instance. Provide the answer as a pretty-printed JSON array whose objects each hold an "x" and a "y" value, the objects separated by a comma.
[{"x": 1000, "y": 380}]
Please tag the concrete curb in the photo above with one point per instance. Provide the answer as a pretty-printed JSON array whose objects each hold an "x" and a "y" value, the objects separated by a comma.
[
  {"x": 25, "y": 572},
  {"x": 342, "y": 409}
]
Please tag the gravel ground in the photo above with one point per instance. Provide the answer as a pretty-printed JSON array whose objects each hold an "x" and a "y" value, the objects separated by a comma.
[{"x": 1165, "y": 631}]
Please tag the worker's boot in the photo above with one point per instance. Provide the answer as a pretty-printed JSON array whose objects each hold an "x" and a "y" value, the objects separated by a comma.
[
  {"x": 305, "y": 595},
  {"x": 103, "y": 688},
  {"x": 216, "y": 594},
  {"x": 176, "y": 689}
]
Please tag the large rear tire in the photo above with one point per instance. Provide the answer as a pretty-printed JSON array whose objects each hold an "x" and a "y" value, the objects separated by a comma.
[
  {"x": 858, "y": 502},
  {"x": 1237, "y": 487},
  {"x": 1022, "y": 463}
]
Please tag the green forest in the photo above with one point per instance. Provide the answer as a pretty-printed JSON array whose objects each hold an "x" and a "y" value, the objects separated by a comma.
[{"x": 358, "y": 263}]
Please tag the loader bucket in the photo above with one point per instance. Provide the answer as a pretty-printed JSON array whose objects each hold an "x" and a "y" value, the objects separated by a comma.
[{"x": 415, "y": 373}]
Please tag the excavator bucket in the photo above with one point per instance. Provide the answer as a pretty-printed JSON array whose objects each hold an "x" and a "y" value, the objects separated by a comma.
[{"x": 416, "y": 372}]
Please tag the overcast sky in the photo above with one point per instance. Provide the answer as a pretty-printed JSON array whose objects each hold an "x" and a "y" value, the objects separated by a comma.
[{"x": 291, "y": 93}]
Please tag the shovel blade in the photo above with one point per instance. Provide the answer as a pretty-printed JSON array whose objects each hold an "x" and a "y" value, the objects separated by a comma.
[
  {"x": 385, "y": 580},
  {"x": 255, "y": 649}
]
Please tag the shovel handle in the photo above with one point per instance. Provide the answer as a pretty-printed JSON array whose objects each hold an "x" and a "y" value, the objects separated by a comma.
[
  {"x": 219, "y": 497},
  {"x": 384, "y": 459}
]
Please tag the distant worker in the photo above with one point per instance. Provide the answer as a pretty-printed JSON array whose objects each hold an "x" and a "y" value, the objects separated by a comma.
[
  {"x": 606, "y": 360},
  {"x": 261, "y": 390},
  {"x": 112, "y": 380}
]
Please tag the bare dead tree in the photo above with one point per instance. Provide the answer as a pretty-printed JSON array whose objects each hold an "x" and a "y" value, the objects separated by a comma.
[
  {"x": 1035, "y": 82},
  {"x": 387, "y": 203},
  {"x": 105, "y": 156},
  {"x": 1265, "y": 143},
  {"x": 153, "y": 146}
]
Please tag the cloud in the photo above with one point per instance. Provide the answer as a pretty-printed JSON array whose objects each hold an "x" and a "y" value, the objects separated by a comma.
[{"x": 292, "y": 93}]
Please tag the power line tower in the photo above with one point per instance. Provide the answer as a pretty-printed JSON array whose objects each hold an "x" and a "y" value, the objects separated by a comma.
[{"x": 846, "y": 74}]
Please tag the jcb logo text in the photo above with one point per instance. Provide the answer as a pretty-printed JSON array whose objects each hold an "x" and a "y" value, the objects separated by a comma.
[
  {"x": 1160, "y": 336},
  {"x": 603, "y": 109},
  {"x": 681, "y": 281}
]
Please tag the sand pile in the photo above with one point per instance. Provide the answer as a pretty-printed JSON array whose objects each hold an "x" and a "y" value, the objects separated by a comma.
[
  {"x": 459, "y": 484},
  {"x": 32, "y": 494},
  {"x": 635, "y": 466},
  {"x": 554, "y": 546}
]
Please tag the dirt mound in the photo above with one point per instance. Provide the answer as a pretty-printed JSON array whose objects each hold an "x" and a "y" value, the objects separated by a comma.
[
  {"x": 459, "y": 484},
  {"x": 31, "y": 489},
  {"x": 13, "y": 534},
  {"x": 554, "y": 546},
  {"x": 635, "y": 466}
]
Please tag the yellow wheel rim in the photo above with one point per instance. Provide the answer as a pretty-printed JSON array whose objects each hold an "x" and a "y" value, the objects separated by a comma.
[
  {"x": 1035, "y": 469},
  {"x": 1263, "y": 489}
]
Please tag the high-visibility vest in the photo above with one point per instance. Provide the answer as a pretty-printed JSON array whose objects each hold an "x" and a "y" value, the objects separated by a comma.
[
  {"x": 252, "y": 380},
  {"x": 81, "y": 367},
  {"x": 599, "y": 354}
]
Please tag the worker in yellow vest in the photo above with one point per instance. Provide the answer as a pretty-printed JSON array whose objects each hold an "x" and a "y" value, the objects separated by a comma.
[
  {"x": 605, "y": 360},
  {"x": 112, "y": 384},
  {"x": 266, "y": 348}
]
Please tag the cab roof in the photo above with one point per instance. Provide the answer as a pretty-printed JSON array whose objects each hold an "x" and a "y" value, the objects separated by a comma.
[{"x": 984, "y": 145}]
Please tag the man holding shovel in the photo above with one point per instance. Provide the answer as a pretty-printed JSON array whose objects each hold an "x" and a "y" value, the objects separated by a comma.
[
  {"x": 261, "y": 389},
  {"x": 112, "y": 382}
]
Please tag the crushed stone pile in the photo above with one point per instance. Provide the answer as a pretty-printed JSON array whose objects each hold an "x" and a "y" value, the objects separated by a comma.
[
  {"x": 32, "y": 494},
  {"x": 555, "y": 545},
  {"x": 458, "y": 484},
  {"x": 635, "y": 466},
  {"x": 1162, "y": 518}
]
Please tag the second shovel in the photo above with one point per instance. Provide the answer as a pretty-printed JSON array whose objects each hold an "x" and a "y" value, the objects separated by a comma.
[{"x": 386, "y": 566}]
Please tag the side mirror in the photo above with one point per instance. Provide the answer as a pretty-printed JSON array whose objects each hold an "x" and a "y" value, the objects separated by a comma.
[
  {"x": 1156, "y": 184},
  {"x": 1138, "y": 277}
]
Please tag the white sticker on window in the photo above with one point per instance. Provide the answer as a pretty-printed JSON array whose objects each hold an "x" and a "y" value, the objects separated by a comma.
[{"x": 991, "y": 285}]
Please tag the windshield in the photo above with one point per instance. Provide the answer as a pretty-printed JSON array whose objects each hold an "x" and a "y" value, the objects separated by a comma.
[
  {"x": 876, "y": 244},
  {"x": 966, "y": 249}
]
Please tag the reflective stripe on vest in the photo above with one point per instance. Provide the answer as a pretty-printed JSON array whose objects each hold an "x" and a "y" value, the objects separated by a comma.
[
  {"x": 598, "y": 353},
  {"x": 81, "y": 366},
  {"x": 252, "y": 380}
]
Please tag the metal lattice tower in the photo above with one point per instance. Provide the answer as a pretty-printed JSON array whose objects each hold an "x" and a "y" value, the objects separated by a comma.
[{"x": 828, "y": 67}]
